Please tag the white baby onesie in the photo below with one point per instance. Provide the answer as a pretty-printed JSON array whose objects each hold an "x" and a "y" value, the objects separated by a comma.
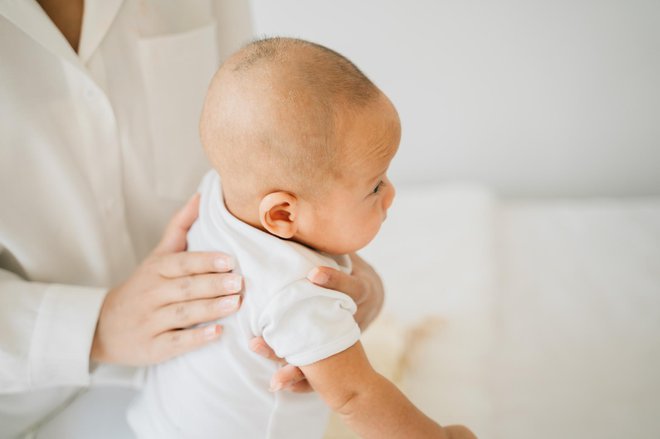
[{"x": 221, "y": 391}]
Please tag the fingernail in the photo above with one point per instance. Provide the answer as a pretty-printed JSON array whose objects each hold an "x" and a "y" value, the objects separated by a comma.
[
  {"x": 224, "y": 263},
  {"x": 211, "y": 331},
  {"x": 318, "y": 277},
  {"x": 232, "y": 283},
  {"x": 229, "y": 303},
  {"x": 275, "y": 387}
]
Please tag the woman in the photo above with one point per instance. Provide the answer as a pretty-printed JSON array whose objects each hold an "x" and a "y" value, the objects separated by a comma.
[{"x": 99, "y": 105}]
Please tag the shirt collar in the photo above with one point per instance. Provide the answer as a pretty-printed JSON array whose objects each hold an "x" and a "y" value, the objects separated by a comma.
[
  {"x": 98, "y": 16},
  {"x": 28, "y": 16}
]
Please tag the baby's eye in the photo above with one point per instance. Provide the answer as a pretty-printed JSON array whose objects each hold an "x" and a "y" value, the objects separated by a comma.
[{"x": 378, "y": 187}]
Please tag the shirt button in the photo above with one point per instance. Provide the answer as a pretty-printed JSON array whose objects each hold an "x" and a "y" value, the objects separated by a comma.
[{"x": 90, "y": 93}]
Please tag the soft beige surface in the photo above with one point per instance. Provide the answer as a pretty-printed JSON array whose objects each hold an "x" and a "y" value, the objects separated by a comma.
[
  {"x": 547, "y": 312},
  {"x": 577, "y": 333}
]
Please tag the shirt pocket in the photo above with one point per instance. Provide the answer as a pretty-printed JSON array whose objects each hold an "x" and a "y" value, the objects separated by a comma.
[{"x": 176, "y": 71}]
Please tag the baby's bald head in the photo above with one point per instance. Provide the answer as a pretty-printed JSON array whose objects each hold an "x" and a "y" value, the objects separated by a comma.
[{"x": 272, "y": 115}]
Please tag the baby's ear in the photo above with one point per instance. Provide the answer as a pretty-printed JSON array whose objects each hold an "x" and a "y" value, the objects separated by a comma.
[{"x": 278, "y": 214}]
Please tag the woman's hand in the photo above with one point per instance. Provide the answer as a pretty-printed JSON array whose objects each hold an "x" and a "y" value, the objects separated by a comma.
[
  {"x": 365, "y": 288},
  {"x": 141, "y": 320},
  {"x": 363, "y": 285},
  {"x": 287, "y": 377}
]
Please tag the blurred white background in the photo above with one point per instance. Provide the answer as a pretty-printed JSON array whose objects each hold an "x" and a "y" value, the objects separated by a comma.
[{"x": 531, "y": 97}]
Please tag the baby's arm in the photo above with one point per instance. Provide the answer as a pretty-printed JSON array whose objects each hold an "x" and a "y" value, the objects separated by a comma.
[{"x": 368, "y": 403}]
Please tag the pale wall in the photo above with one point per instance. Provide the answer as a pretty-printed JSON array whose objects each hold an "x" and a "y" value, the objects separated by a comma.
[{"x": 533, "y": 97}]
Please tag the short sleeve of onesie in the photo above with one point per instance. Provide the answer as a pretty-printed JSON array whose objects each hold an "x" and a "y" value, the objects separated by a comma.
[{"x": 305, "y": 323}]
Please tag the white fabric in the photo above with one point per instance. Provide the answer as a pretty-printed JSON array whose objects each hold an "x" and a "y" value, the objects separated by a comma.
[
  {"x": 223, "y": 389},
  {"x": 96, "y": 152}
]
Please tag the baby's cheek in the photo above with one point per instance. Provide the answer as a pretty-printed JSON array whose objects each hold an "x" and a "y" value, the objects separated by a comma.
[
  {"x": 388, "y": 199},
  {"x": 377, "y": 222}
]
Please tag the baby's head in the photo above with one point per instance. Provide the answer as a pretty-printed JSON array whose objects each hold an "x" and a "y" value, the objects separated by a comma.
[{"x": 302, "y": 141}]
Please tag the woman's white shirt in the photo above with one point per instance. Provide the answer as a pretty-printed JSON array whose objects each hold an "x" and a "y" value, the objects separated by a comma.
[{"x": 97, "y": 149}]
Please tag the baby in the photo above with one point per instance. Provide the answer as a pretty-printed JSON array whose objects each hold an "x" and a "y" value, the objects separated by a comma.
[{"x": 300, "y": 141}]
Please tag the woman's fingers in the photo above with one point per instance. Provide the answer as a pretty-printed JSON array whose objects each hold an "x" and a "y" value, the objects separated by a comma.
[
  {"x": 288, "y": 377},
  {"x": 201, "y": 286},
  {"x": 175, "y": 265},
  {"x": 363, "y": 285},
  {"x": 300, "y": 387},
  {"x": 194, "y": 312},
  {"x": 170, "y": 344},
  {"x": 174, "y": 238},
  {"x": 330, "y": 278},
  {"x": 139, "y": 319},
  {"x": 259, "y": 346}
]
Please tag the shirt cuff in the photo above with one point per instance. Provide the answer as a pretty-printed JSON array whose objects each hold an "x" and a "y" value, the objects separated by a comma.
[
  {"x": 327, "y": 350},
  {"x": 63, "y": 335}
]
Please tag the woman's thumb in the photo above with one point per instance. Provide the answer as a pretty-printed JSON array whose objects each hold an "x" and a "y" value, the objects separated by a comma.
[{"x": 174, "y": 238}]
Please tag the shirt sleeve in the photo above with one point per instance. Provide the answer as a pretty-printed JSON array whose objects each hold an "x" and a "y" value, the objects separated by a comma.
[
  {"x": 46, "y": 333},
  {"x": 304, "y": 323}
]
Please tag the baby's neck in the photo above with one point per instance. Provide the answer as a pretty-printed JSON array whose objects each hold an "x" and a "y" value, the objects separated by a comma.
[{"x": 248, "y": 212}]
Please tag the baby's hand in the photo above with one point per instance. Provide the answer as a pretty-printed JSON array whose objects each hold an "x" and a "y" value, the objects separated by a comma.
[{"x": 287, "y": 377}]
